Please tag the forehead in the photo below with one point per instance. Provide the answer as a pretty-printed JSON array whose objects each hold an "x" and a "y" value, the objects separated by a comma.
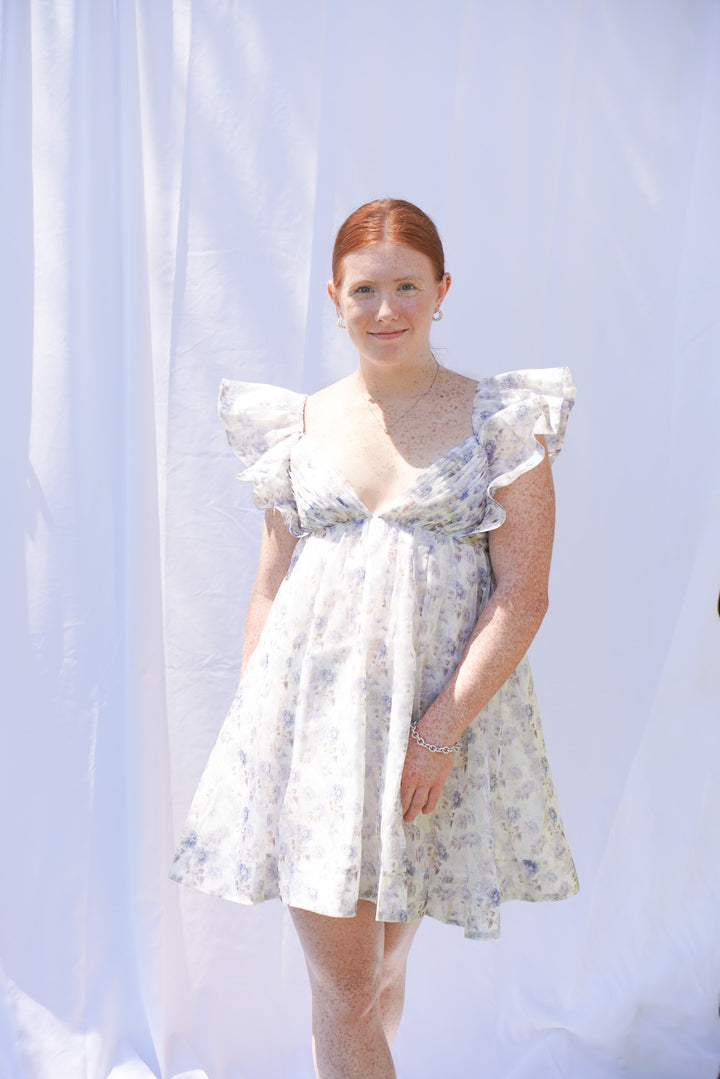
[{"x": 386, "y": 259}]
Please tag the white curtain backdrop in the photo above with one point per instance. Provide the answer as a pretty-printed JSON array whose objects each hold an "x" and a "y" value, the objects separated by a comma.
[{"x": 172, "y": 174}]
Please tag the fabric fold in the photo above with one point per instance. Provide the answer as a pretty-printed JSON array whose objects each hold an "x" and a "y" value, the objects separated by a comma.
[
  {"x": 262, "y": 424},
  {"x": 510, "y": 410},
  {"x": 301, "y": 797}
]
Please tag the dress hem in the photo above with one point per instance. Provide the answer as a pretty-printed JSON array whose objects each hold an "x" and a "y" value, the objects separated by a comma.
[{"x": 489, "y": 915}]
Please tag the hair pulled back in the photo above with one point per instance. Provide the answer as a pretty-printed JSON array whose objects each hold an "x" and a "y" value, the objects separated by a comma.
[{"x": 396, "y": 220}]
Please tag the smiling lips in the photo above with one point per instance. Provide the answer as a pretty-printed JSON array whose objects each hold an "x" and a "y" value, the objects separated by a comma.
[{"x": 389, "y": 335}]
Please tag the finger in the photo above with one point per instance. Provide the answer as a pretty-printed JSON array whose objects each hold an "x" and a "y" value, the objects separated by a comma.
[
  {"x": 417, "y": 802},
  {"x": 408, "y": 790},
  {"x": 433, "y": 799}
]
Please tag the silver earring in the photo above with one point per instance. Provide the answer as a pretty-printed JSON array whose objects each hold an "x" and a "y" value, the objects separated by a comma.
[
  {"x": 437, "y": 314},
  {"x": 340, "y": 321}
]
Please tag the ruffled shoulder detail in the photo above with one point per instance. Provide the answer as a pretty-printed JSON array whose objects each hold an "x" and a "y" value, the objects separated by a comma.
[
  {"x": 509, "y": 411},
  {"x": 262, "y": 424}
]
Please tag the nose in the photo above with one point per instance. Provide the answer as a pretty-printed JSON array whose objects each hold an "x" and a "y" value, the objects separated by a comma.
[{"x": 386, "y": 310}]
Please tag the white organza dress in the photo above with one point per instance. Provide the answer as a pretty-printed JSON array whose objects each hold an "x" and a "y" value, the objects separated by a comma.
[{"x": 300, "y": 798}]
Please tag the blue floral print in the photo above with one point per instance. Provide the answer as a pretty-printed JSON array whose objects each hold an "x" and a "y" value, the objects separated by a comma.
[{"x": 300, "y": 798}]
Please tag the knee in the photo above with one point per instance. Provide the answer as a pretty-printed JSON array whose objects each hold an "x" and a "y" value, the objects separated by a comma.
[
  {"x": 395, "y": 953},
  {"x": 393, "y": 971},
  {"x": 395, "y": 957},
  {"x": 347, "y": 997}
]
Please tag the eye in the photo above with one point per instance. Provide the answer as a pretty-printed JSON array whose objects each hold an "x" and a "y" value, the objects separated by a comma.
[
  {"x": 407, "y": 286},
  {"x": 363, "y": 290}
]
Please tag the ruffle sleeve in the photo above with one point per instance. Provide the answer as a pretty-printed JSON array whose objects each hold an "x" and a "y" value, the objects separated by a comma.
[
  {"x": 262, "y": 424},
  {"x": 510, "y": 411}
]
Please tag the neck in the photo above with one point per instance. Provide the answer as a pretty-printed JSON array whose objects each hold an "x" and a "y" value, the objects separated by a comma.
[{"x": 399, "y": 380}]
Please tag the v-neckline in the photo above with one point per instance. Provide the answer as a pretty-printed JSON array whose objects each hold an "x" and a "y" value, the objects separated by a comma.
[
  {"x": 411, "y": 487},
  {"x": 403, "y": 495}
]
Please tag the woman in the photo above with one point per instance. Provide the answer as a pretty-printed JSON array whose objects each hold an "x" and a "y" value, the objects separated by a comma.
[{"x": 383, "y": 757}]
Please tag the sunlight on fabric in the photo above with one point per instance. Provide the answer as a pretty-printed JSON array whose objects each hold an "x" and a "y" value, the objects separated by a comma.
[
  {"x": 50, "y": 1047},
  {"x": 178, "y": 172}
]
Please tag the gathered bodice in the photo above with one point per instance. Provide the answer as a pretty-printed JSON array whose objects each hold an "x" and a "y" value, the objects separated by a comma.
[
  {"x": 448, "y": 496},
  {"x": 301, "y": 796},
  {"x": 454, "y": 495}
]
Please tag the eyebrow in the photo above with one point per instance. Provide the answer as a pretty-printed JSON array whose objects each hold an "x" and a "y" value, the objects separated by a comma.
[{"x": 371, "y": 280}]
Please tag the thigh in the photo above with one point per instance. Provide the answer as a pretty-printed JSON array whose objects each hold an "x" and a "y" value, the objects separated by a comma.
[
  {"x": 398, "y": 939},
  {"x": 345, "y": 953}
]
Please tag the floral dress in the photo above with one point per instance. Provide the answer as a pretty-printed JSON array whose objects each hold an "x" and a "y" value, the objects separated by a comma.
[{"x": 301, "y": 796}]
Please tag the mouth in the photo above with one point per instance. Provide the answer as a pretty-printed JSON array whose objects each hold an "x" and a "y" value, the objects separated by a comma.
[{"x": 388, "y": 336}]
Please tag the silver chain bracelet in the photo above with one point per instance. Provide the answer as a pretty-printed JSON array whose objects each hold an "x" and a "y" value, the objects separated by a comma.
[{"x": 428, "y": 745}]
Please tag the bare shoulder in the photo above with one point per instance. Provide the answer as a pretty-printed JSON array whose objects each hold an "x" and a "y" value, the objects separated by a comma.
[
  {"x": 461, "y": 381},
  {"x": 333, "y": 393},
  {"x": 333, "y": 400},
  {"x": 456, "y": 387}
]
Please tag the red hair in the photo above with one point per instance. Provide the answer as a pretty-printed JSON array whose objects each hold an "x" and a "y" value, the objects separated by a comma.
[{"x": 396, "y": 220}]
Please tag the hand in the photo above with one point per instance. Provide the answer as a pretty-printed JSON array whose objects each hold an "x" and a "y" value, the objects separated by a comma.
[{"x": 422, "y": 780}]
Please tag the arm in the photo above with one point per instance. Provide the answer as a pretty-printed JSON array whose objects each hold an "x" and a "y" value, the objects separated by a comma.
[
  {"x": 276, "y": 551},
  {"x": 520, "y": 552}
]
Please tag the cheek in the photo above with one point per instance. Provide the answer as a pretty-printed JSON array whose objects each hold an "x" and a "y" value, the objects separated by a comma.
[
  {"x": 417, "y": 307},
  {"x": 357, "y": 311}
]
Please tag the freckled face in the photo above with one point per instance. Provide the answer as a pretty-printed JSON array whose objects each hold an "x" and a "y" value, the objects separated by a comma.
[{"x": 387, "y": 297}]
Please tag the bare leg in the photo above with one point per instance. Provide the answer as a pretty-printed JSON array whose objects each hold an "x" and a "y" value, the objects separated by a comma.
[
  {"x": 398, "y": 938},
  {"x": 345, "y": 958}
]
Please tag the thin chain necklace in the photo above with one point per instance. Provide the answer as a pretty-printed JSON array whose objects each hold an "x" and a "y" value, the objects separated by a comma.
[{"x": 386, "y": 426}]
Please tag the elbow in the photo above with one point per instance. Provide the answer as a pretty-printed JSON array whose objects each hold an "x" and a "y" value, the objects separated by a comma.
[
  {"x": 532, "y": 608},
  {"x": 536, "y": 607},
  {"x": 526, "y": 608}
]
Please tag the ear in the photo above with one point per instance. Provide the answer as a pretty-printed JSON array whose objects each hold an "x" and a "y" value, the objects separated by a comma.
[
  {"x": 443, "y": 286},
  {"x": 332, "y": 293}
]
